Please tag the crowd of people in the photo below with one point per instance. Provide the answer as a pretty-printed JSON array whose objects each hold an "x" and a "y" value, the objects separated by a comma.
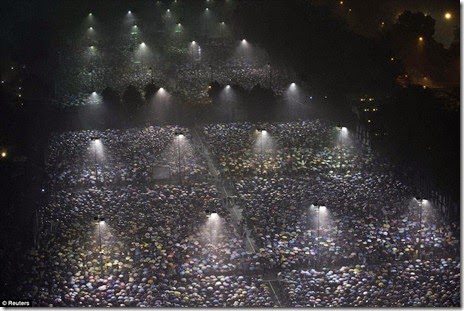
[
  {"x": 320, "y": 200},
  {"x": 364, "y": 220},
  {"x": 413, "y": 283},
  {"x": 283, "y": 148},
  {"x": 99, "y": 55},
  {"x": 156, "y": 246},
  {"x": 112, "y": 156},
  {"x": 329, "y": 218}
]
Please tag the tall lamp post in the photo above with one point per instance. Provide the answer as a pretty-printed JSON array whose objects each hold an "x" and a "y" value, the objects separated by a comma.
[
  {"x": 420, "y": 200},
  {"x": 95, "y": 141},
  {"x": 343, "y": 131},
  {"x": 318, "y": 207},
  {"x": 100, "y": 221},
  {"x": 262, "y": 133},
  {"x": 179, "y": 136},
  {"x": 211, "y": 214}
]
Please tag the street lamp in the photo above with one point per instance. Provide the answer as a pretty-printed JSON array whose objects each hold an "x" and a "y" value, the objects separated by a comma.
[
  {"x": 319, "y": 209},
  {"x": 263, "y": 133},
  {"x": 4, "y": 154},
  {"x": 420, "y": 201},
  {"x": 179, "y": 136},
  {"x": 343, "y": 132},
  {"x": 211, "y": 215},
  {"x": 100, "y": 221},
  {"x": 96, "y": 140},
  {"x": 221, "y": 29}
]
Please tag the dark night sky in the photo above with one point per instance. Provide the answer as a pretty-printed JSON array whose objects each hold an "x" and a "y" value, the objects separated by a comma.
[{"x": 366, "y": 16}]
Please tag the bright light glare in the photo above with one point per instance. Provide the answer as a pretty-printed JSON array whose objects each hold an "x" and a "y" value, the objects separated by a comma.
[
  {"x": 448, "y": 15},
  {"x": 4, "y": 154},
  {"x": 421, "y": 39},
  {"x": 214, "y": 216},
  {"x": 129, "y": 12},
  {"x": 227, "y": 86},
  {"x": 322, "y": 209},
  {"x": 94, "y": 93},
  {"x": 344, "y": 129},
  {"x": 142, "y": 44},
  {"x": 193, "y": 42},
  {"x": 101, "y": 222}
]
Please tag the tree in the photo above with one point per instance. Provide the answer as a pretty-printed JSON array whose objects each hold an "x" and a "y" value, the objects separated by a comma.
[
  {"x": 425, "y": 60},
  {"x": 150, "y": 91},
  {"x": 132, "y": 99},
  {"x": 111, "y": 99}
]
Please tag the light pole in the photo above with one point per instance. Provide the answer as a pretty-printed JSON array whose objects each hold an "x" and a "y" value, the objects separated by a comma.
[
  {"x": 262, "y": 133},
  {"x": 211, "y": 215},
  {"x": 100, "y": 221},
  {"x": 179, "y": 136},
  {"x": 343, "y": 131},
  {"x": 178, "y": 30},
  {"x": 221, "y": 29},
  {"x": 420, "y": 201},
  {"x": 95, "y": 140},
  {"x": 318, "y": 206}
]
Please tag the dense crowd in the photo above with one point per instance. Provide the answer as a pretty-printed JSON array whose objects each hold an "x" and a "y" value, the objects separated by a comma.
[
  {"x": 368, "y": 216},
  {"x": 156, "y": 247},
  {"x": 166, "y": 243},
  {"x": 414, "y": 283},
  {"x": 93, "y": 60},
  {"x": 366, "y": 220},
  {"x": 283, "y": 149},
  {"x": 122, "y": 156}
]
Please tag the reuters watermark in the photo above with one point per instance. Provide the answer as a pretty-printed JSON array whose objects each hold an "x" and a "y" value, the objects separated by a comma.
[{"x": 6, "y": 303}]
